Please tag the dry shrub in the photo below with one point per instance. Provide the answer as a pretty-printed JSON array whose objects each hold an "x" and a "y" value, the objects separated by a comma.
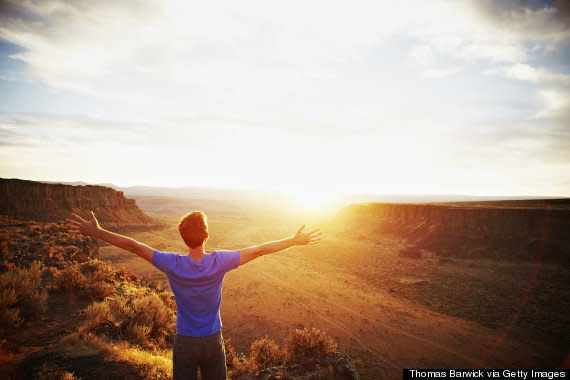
[
  {"x": 55, "y": 252},
  {"x": 150, "y": 319},
  {"x": 301, "y": 344},
  {"x": 309, "y": 343},
  {"x": 53, "y": 373},
  {"x": 101, "y": 279},
  {"x": 4, "y": 250},
  {"x": 139, "y": 334},
  {"x": 95, "y": 314},
  {"x": 99, "y": 291},
  {"x": 264, "y": 353},
  {"x": 122, "y": 274},
  {"x": 119, "y": 309},
  {"x": 92, "y": 280},
  {"x": 142, "y": 318},
  {"x": 33, "y": 299},
  {"x": 22, "y": 299},
  {"x": 231, "y": 356},
  {"x": 81, "y": 257},
  {"x": 98, "y": 270},
  {"x": 168, "y": 299},
  {"x": 237, "y": 365},
  {"x": 71, "y": 280},
  {"x": 70, "y": 250},
  {"x": 9, "y": 312},
  {"x": 51, "y": 273},
  {"x": 34, "y": 232},
  {"x": 7, "y": 266}
]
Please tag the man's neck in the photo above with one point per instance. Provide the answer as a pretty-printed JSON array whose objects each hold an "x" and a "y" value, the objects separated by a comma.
[{"x": 197, "y": 253}]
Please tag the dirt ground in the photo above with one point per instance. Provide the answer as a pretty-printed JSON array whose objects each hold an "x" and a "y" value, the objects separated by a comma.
[{"x": 387, "y": 312}]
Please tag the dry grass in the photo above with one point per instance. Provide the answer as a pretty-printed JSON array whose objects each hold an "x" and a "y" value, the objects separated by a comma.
[
  {"x": 141, "y": 318},
  {"x": 300, "y": 345},
  {"x": 309, "y": 343},
  {"x": 360, "y": 279},
  {"x": 149, "y": 364},
  {"x": 231, "y": 355},
  {"x": 99, "y": 291},
  {"x": 71, "y": 280},
  {"x": 98, "y": 270},
  {"x": 21, "y": 298},
  {"x": 92, "y": 279},
  {"x": 265, "y": 353},
  {"x": 9, "y": 311},
  {"x": 157, "y": 364},
  {"x": 49, "y": 242},
  {"x": 47, "y": 372}
]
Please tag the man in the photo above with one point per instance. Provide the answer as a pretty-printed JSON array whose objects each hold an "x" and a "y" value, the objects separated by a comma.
[{"x": 196, "y": 280}]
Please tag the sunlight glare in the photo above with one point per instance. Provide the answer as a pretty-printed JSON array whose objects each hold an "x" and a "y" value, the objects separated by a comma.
[{"x": 312, "y": 199}]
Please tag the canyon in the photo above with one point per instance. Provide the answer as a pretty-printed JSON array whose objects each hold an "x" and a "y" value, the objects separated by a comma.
[{"x": 46, "y": 202}]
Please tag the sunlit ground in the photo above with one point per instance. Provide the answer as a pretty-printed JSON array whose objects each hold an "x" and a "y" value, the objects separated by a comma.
[{"x": 377, "y": 304}]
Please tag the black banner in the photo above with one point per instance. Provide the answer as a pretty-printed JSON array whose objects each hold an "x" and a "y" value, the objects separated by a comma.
[{"x": 504, "y": 373}]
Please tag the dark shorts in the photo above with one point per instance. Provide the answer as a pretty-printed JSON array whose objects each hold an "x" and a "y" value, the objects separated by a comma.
[{"x": 208, "y": 353}]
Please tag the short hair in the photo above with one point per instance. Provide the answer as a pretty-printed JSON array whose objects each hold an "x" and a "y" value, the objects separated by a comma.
[{"x": 193, "y": 228}]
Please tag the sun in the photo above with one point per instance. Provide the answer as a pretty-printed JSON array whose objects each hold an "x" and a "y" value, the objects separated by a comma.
[{"x": 312, "y": 199}]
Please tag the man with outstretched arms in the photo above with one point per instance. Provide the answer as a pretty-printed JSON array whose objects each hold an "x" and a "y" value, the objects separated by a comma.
[{"x": 196, "y": 280}]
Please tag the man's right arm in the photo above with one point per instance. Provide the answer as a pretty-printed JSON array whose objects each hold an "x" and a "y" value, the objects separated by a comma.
[
  {"x": 77, "y": 225},
  {"x": 300, "y": 238}
]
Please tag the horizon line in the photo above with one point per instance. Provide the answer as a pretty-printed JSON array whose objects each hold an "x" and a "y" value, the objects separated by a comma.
[{"x": 280, "y": 191}]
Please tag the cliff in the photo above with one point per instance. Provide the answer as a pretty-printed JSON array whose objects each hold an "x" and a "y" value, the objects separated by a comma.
[
  {"x": 497, "y": 229},
  {"x": 45, "y": 202}
]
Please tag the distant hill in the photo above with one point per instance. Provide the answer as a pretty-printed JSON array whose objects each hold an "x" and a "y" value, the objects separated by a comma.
[{"x": 47, "y": 202}]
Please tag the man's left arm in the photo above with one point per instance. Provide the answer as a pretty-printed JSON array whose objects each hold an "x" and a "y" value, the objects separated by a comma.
[
  {"x": 77, "y": 225},
  {"x": 300, "y": 238}
]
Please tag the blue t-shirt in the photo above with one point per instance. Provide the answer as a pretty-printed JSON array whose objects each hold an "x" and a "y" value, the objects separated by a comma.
[{"x": 197, "y": 288}]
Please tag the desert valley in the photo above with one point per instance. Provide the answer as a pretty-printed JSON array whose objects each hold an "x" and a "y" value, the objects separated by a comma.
[{"x": 429, "y": 285}]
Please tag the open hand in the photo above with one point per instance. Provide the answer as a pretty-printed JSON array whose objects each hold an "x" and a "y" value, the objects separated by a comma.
[
  {"x": 307, "y": 238},
  {"x": 77, "y": 225}
]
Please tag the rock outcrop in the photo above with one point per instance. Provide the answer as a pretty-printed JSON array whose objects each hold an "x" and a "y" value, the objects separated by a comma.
[
  {"x": 497, "y": 229},
  {"x": 45, "y": 202}
]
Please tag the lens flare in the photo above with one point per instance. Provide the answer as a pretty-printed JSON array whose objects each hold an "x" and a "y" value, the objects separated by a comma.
[{"x": 312, "y": 199}]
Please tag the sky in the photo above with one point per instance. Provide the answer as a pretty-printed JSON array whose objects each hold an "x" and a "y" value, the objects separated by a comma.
[{"x": 321, "y": 97}]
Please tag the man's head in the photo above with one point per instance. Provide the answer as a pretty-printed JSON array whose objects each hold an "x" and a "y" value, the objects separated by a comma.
[{"x": 193, "y": 228}]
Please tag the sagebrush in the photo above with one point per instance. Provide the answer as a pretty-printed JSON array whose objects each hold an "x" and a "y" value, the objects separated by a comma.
[{"x": 22, "y": 300}]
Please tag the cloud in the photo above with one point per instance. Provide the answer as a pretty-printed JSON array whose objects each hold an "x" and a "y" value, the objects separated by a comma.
[
  {"x": 14, "y": 77},
  {"x": 74, "y": 45},
  {"x": 524, "y": 19},
  {"x": 37, "y": 129},
  {"x": 554, "y": 91},
  {"x": 29, "y": 129},
  {"x": 206, "y": 76},
  {"x": 557, "y": 108},
  {"x": 563, "y": 8},
  {"x": 525, "y": 72},
  {"x": 68, "y": 45},
  {"x": 444, "y": 72},
  {"x": 424, "y": 55},
  {"x": 160, "y": 55}
]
